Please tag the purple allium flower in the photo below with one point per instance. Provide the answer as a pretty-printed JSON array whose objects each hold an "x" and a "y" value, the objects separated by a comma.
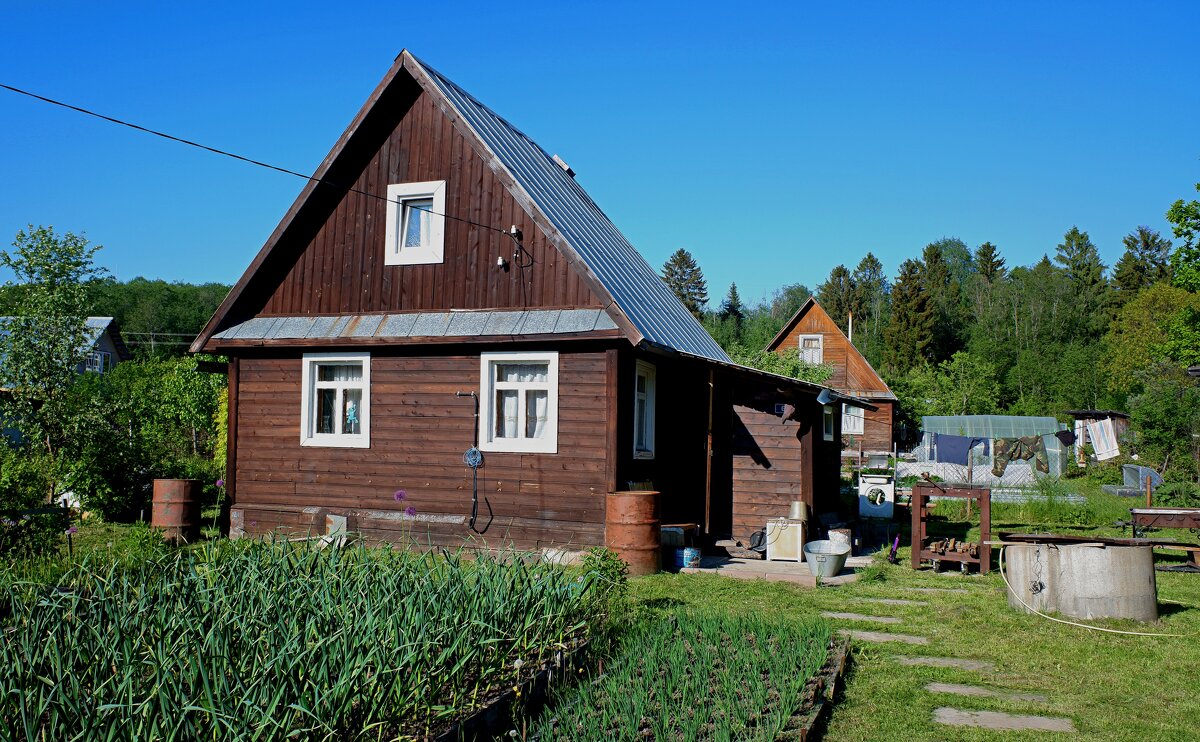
[
  {"x": 400, "y": 496},
  {"x": 220, "y": 482},
  {"x": 72, "y": 531},
  {"x": 410, "y": 511}
]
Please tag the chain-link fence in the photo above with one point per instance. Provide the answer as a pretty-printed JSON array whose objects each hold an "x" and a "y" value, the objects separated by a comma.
[{"x": 980, "y": 469}]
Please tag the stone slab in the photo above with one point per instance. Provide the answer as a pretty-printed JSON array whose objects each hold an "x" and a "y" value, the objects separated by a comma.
[
  {"x": 883, "y": 636},
  {"x": 859, "y": 617},
  {"x": 1001, "y": 721},
  {"x": 961, "y": 591},
  {"x": 951, "y": 662},
  {"x": 894, "y": 601},
  {"x": 959, "y": 689}
]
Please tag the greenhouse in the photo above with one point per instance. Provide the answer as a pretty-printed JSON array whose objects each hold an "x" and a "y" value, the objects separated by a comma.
[{"x": 1018, "y": 472}]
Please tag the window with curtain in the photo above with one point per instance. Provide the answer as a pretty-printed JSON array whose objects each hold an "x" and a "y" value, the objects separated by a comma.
[
  {"x": 852, "y": 420},
  {"x": 643, "y": 411},
  {"x": 811, "y": 350},
  {"x": 520, "y": 394},
  {"x": 336, "y": 401},
  {"x": 414, "y": 232}
]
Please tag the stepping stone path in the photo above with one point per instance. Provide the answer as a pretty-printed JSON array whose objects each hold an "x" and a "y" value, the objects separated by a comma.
[
  {"x": 960, "y": 590},
  {"x": 957, "y": 664},
  {"x": 894, "y": 601},
  {"x": 975, "y": 690},
  {"x": 860, "y": 617},
  {"x": 998, "y": 720},
  {"x": 882, "y": 636}
]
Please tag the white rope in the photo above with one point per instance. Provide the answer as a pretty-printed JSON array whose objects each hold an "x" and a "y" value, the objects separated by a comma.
[{"x": 1069, "y": 623}]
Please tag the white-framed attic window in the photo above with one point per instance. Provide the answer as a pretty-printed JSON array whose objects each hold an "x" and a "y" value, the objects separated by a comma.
[
  {"x": 519, "y": 402},
  {"x": 336, "y": 400},
  {"x": 852, "y": 419},
  {"x": 643, "y": 410},
  {"x": 98, "y": 361},
  {"x": 416, "y": 225},
  {"x": 812, "y": 349}
]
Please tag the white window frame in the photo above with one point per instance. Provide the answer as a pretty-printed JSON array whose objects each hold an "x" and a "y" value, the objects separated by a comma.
[
  {"x": 820, "y": 348},
  {"x": 487, "y": 392},
  {"x": 827, "y": 419},
  {"x": 853, "y": 419},
  {"x": 398, "y": 194},
  {"x": 308, "y": 401},
  {"x": 647, "y": 371},
  {"x": 98, "y": 361}
]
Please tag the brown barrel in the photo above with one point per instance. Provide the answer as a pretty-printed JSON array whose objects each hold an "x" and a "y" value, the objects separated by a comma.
[
  {"x": 631, "y": 529},
  {"x": 177, "y": 509}
]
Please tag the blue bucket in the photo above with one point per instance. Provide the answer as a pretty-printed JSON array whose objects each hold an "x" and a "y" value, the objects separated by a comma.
[{"x": 686, "y": 557}]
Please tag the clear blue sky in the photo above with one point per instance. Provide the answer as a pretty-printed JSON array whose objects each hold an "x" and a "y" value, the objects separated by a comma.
[{"x": 772, "y": 141}]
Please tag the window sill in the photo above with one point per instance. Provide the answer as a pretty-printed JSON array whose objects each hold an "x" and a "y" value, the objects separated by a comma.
[
  {"x": 337, "y": 442},
  {"x": 644, "y": 455},
  {"x": 519, "y": 446}
]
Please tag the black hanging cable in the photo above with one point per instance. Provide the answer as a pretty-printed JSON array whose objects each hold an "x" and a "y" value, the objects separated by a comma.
[{"x": 225, "y": 153}]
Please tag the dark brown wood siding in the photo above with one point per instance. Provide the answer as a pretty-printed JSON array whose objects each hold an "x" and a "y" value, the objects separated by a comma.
[
  {"x": 419, "y": 431},
  {"x": 877, "y": 429},
  {"x": 334, "y": 258}
]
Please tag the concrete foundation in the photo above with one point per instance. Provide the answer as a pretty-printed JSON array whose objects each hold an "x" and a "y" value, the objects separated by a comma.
[{"x": 1083, "y": 581}]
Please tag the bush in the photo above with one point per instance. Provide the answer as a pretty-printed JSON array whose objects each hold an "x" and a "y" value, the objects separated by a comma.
[{"x": 1177, "y": 495}]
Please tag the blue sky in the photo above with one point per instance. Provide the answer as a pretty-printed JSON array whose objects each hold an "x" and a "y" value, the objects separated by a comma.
[{"x": 772, "y": 141}]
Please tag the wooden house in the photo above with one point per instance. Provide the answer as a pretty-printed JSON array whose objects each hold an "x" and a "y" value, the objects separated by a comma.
[
  {"x": 103, "y": 347},
  {"x": 820, "y": 340},
  {"x": 437, "y": 253}
]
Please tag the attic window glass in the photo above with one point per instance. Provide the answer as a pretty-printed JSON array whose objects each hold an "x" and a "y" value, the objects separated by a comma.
[
  {"x": 643, "y": 411},
  {"x": 98, "y": 361},
  {"x": 852, "y": 420},
  {"x": 336, "y": 400},
  {"x": 520, "y": 397},
  {"x": 811, "y": 350},
  {"x": 415, "y": 229}
]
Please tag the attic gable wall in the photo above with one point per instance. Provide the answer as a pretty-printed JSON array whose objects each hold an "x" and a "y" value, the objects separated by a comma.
[{"x": 332, "y": 262}]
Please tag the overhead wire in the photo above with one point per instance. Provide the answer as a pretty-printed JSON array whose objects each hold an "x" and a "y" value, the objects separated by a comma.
[{"x": 249, "y": 160}]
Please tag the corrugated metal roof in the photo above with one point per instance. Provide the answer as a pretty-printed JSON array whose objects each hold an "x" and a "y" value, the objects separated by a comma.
[
  {"x": 635, "y": 287},
  {"x": 422, "y": 324},
  {"x": 96, "y": 326}
]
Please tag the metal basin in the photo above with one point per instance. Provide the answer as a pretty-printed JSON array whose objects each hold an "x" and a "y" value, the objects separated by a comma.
[{"x": 826, "y": 558}]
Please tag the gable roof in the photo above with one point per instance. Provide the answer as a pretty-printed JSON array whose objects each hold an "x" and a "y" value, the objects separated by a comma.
[
  {"x": 633, "y": 294},
  {"x": 96, "y": 327},
  {"x": 878, "y": 388}
]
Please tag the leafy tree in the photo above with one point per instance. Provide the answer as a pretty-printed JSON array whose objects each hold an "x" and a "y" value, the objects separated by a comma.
[
  {"x": 838, "y": 296},
  {"x": 910, "y": 330},
  {"x": 1144, "y": 263},
  {"x": 1184, "y": 217},
  {"x": 46, "y": 343},
  {"x": 786, "y": 301},
  {"x": 963, "y": 385},
  {"x": 1135, "y": 338},
  {"x": 1166, "y": 417},
  {"x": 682, "y": 274}
]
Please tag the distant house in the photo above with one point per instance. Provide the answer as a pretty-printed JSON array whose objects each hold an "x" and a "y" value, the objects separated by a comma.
[
  {"x": 818, "y": 338},
  {"x": 439, "y": 253},
  {"x": 103, "y": 345}
]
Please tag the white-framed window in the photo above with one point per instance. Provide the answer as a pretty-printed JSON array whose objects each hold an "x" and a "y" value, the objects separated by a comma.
[
  {"x": 643, "y": 411},
  {"x": 828, "y": 418},
  {"x": 336, "y": 400},
  {"x": 520, "y": 402},
  {"x": 98, "y": 361},
  {"x": 416, "y": 225},
  {"x": 811, "y": 349},
  {"x": 852, "y": 419}
]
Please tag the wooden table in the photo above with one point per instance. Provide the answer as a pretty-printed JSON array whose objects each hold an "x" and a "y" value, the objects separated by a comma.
[
  {"x": 921, "y": 493},
  {"x": 1144, "y": 518}
]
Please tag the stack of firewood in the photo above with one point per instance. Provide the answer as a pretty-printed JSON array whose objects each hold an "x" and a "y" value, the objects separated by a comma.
[{"x": 953, "y": 546}]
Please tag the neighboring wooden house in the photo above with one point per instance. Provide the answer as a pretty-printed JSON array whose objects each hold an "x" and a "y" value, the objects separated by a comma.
[
  {"x": 820, "y": 340},
  {"x": 103, "y": 345},
  {"x": 396, "y": 286}
]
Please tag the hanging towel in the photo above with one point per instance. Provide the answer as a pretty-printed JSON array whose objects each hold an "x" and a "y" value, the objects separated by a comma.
[
  {"x": 955, "y": 449},
  {"x": 1104, "y": 439},
  {"x": 1028, "y": 447}
]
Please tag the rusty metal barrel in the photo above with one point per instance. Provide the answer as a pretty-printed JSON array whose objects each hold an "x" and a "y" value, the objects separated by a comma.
[
  {"x": 176, "y": 510},
  {"x": 632, "y": 529}
]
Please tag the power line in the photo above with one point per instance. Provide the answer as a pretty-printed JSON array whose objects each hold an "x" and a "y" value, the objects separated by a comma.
[{"x": 242, "y": 158}]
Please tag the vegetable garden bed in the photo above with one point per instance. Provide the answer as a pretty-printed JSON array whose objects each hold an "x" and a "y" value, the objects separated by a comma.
[{"x": 241, "y": 640}]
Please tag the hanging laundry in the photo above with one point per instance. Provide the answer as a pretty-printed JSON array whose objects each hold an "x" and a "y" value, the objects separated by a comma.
[
  {"x": 1104, "y": 439},
  {"x": 1005, "y": 450},
  {"x": 955, "y": 449},
  {"x": 1067, "y": 437}
]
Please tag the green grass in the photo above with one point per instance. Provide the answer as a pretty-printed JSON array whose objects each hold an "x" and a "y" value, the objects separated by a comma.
[
  {"x": 695, "y": 676},
  {"x": 1114, "y": 687}
]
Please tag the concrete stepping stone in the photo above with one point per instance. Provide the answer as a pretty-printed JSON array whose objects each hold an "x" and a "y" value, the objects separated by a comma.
[
  {"x": 951, "y": 662},
  {"x": 975, "y": 690},
  {"x": 883, "y": 636},
  {"x": 960, "y": 590},
  {"x": 859, "y": 617},
  {"x": 894, "y": 601},
  {"x": 999, "y": 720}
]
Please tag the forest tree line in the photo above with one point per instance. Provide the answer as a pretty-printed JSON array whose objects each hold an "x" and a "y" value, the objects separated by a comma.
[{"x": 958, "y": 330}]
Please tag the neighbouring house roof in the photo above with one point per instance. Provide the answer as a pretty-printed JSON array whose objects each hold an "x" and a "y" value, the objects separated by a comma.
[
  {"x": 1096, "y": 414},
  {"x": 870, "y": 384},
  {"x": 634, "y": 295},
  {"x": 97, "y": 327}
]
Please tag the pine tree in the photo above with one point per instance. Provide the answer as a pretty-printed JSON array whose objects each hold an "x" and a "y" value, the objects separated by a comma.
[
  {"x": 910, "y": 331},
  {"x": 871, "y": 299},
  {"x": 732, "y": 307},
  {"x": 945, "y": 295},
  {"x": 837, "y": 296},
  {"x": 988, "y": 263},
  {"x": 1081, "y": 262},
  {"x": 1144, "y": 263},
  {"x": 682, "y": 274}
]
